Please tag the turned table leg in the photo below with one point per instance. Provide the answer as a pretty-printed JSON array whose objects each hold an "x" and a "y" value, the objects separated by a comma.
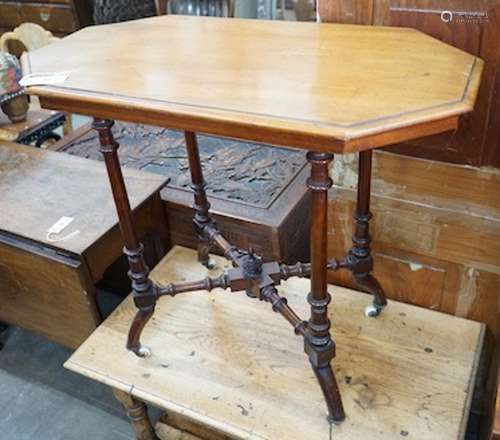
[
  {"x": 137, "y": 414},
  {"x": 318, "y": 343},
  {"x": 201, "y": 205},
  {"x": 142, "y": 287},
  {"x": 360, "y": 258}
]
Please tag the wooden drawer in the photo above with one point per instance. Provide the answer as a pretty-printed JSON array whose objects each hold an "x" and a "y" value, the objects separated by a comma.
[{"x": 58, "y": 18}]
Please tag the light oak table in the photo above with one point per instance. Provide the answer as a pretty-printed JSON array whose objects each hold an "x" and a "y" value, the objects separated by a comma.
[
  {"x": 328, "y": 88},
  {"x": 222, "y": 369}
]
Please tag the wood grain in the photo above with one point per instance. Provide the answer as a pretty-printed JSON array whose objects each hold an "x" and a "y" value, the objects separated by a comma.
[
  {"x": 346, "y": 11},
  {"x": 166, "y": 432},
  {"x": 216, "y": 360},
  {"x": 58, "y": 16},
  {"x": 475, "y": 28},
  {"x": 46, "y": 292},
  {"x": 322, "y": 102}
]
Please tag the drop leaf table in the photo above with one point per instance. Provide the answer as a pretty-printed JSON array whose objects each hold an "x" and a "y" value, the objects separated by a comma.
[
  {"x": 324, "y": 87},
  {"x": 48, "y": 281}
]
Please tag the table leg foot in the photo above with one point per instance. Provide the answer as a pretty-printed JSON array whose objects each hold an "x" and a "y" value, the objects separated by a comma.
[
  {"x": 369, "y": 283},
  {"x": 134, "y": 335},
  {"x": 138, "y": 416},
  {"x": 330, "y": 389},
  {"x": 204, "y": 254}
]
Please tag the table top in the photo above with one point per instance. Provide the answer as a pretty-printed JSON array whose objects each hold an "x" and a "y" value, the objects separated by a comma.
[
  {"x": 39, "y": 187},
  {"x": 229, "y": 363},
  {"x": 325, "y": 86}
]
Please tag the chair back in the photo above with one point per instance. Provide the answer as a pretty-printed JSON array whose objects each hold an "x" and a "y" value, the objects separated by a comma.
[{"x": 30, "y": 35}]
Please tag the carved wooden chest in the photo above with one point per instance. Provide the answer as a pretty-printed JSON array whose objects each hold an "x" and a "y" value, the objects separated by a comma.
[{"x": 257, "y": 191}]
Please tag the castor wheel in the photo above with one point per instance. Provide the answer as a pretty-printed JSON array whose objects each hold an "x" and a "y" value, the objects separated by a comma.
[
  {"x": 210, "y": 264},
  {"x": 373, "y": 310},
  {"x": 142, "y": 352}
]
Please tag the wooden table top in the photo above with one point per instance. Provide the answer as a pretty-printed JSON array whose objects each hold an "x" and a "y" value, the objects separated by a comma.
[
  {"x": 38, "y": 187},
  {"x": 228, "y": 363},
  {"x": 320, "y": 86}
]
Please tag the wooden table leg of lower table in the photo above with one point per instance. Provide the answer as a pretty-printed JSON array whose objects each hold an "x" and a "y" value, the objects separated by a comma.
[
  {"x": 318, "y": 343},
  {"x": 138, "y": 415}
]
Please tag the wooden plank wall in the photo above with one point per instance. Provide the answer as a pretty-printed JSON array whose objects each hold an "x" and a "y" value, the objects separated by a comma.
[
  {"x": 436, "y": 231},
  {"x": 436, "y": 226},
  {"x": 475, "y": 28},
  {"x": 436, "y": 239}
]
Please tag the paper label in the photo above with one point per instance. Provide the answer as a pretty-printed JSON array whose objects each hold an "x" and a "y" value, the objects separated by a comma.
[
  {"x": 44, "y": 79},
  {"x": 60, "y": 225}
]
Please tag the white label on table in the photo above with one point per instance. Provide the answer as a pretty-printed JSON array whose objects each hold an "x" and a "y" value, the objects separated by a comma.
[
  {"x": 60, "y": 225},
  {"x": 44, "y": 79}
]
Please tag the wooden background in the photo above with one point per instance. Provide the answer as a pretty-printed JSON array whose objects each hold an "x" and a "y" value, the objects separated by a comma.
[
  {"x": 475, "y": 28},
  {"x": 436, "y": 225}
]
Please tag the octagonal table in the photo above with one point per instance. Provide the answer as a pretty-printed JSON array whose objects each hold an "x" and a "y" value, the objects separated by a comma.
[{"x": 324, "y": 87}]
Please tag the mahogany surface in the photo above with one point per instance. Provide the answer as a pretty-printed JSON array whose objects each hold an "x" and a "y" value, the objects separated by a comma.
[{"x": 291, "y": 84}]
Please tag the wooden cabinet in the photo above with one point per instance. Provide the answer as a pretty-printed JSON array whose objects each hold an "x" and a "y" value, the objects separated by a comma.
[
  {"x": 471, "y": 25},
  {"x": 58, "y": 16}
]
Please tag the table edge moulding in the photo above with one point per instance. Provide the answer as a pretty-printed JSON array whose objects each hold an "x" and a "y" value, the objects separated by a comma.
[
  {"x": 260, "y": 124},
  {"x": 430, "y": 95}
]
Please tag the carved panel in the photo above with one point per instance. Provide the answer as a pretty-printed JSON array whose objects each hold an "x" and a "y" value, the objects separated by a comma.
[{"x": 254, "y": 174}]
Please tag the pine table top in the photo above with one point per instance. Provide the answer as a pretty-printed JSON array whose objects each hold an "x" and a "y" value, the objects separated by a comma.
[
  {"x": 231, "y": 365},
  {"x": 329, "y": 87}
]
